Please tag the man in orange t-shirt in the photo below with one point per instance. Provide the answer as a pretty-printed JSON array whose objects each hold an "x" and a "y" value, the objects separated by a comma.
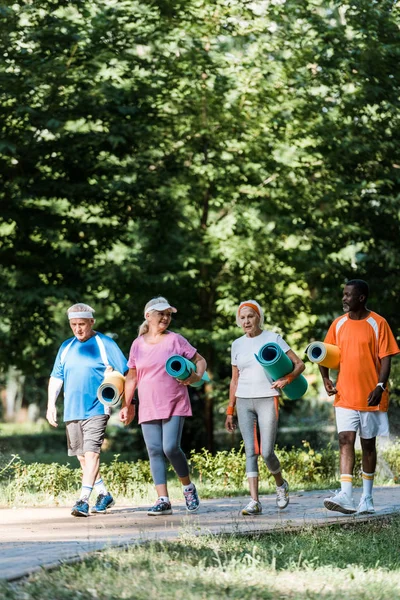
[{"x": 366, "y": 345}]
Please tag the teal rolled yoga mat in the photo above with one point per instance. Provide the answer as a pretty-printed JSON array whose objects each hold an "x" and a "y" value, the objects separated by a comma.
[
  {"x": 180, "y": 367},
  {"x": 277, "y": 364}
]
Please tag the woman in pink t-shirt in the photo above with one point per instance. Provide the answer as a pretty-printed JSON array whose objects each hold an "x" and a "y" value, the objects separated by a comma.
[{"x": 163, "y": 401}]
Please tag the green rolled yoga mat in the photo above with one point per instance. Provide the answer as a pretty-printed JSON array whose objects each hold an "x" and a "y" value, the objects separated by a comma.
[
  {"x": 277, "y": 364},
  {"x": 180, "y": 367}
]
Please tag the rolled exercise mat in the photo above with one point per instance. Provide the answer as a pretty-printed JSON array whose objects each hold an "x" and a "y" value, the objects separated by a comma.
[
  {"x": 180, "y": 367},
  {"x": 277, "y": 364},
  {"x": 110, "y": 392},
  {"x": 326, "y": 355}
]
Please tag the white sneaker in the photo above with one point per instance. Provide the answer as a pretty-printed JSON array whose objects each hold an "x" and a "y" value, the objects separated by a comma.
[
  {"x": 282, "y": 495},
  {"x": 340, "y": 502},
  {"x": 366, "y": 506},
  {"x": 253, "y": 508}
]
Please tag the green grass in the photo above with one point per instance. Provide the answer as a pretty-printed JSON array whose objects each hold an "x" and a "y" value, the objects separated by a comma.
[{"x": 350, "y": 562}]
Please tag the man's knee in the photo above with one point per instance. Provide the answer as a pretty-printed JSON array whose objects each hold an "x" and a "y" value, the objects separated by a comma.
[
  {"x": 90, "y": 456},
  {"x": 368, "y": 445},
  {"x": 347, "y": 439}
]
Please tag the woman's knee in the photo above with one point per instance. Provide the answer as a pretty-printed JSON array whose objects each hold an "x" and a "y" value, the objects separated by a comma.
[
  {"x": 172, "y": 450},
  {"x": 272, "y": 461},
  {"x": 154, "y": 450}
]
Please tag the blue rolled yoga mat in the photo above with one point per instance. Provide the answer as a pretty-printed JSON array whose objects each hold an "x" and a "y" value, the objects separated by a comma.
[
  {"x": 277, "y": 364},
  {"x": 180, "y": 367}
]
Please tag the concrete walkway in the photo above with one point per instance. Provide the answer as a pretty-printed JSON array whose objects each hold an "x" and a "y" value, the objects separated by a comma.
[{"x": 32, "y": 538}]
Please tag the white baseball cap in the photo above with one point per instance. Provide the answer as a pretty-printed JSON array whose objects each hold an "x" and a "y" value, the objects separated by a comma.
[{"x": 160, "y": 307}]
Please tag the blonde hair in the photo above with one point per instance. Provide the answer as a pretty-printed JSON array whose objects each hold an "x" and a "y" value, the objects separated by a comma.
[{"x": 144, "y": 327}]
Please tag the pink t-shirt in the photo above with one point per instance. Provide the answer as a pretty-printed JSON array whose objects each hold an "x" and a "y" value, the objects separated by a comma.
[{"x": 160, "y": 395}]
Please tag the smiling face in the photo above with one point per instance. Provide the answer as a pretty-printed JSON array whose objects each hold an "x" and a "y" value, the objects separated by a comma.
[
  {"x": 249, "y": 321},
  {"x": 82, "y": 328},
  {"x": 159, "y": 320},
  {"x": 352, "y": 299}
]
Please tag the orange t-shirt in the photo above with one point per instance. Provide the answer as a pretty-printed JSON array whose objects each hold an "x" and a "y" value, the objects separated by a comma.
[{"x": 362, "y": 345}]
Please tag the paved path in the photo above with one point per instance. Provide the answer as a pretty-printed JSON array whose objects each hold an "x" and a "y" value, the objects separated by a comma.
[{"x": 31, "y": 538}]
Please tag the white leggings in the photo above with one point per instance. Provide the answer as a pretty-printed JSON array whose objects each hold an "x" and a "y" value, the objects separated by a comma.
[{"x": 262, "y": 414}]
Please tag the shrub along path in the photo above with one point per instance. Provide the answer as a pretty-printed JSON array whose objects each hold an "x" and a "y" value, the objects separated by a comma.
[{"x": 31, "y": 538}]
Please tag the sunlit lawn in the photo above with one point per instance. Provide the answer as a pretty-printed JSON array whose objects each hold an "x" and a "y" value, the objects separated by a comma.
[{"x": 357, "y": 561}]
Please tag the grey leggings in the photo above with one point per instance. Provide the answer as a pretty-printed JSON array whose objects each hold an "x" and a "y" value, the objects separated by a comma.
[
  {"x": 264, "y": 413},
  {"x": 163, "y": 437}
]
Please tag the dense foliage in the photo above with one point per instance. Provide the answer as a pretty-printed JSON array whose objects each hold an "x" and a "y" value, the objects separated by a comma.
[
  {"x": 224, "y": 472},
  {"x": 205, "y": 150}
]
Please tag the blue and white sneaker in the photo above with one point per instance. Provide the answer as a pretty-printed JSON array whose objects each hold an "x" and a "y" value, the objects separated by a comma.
[
  {"x": 192, "y": 500},
  {"x": 81, "y": 508},
  {"x": 103, "y": 502},
  {"x": 160, "y": 508}
]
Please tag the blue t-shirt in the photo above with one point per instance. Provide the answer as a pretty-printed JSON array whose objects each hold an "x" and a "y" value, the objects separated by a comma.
[{"x": 82, "y": 370}]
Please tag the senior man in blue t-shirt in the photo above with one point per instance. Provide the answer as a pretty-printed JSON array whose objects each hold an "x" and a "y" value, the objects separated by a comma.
[{"x": 80, "y": 365}]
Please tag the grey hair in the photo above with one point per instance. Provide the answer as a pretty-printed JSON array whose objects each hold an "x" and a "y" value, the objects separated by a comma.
[{"x": 144, "y": 327}]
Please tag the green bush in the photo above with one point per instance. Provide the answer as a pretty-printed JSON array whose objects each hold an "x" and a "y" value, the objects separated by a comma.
[
  {"x": 299, "y": 464},
  {"x": 225, "y": 469},
  {"x": 126, "y": 477},
  {"x": 39, "y": 477},
  {"x": 305, "y": 464},
  {"x": 392, "y": 456}
]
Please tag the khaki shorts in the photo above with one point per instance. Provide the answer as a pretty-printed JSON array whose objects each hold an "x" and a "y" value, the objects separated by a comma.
[{"x": 86, "y": 435}]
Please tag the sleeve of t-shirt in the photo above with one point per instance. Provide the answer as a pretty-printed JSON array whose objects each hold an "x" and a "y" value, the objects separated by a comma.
[
  {"x": 132, "y": 359},
  {"x": 282, "y": 344},
  {"x": 58, "y": 368},
  {"x": 185, "y": 348},
  {"x": 387, "y": 342},
  {"x": 115, "y": 356},
  {"x": 234, "y": 354},
  {"x": 330, "y": 337}
]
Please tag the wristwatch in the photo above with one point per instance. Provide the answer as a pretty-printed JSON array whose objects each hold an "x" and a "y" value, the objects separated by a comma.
[{"x": 381, "y": 385}]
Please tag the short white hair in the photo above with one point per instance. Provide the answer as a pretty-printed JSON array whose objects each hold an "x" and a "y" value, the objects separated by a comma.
[{"x": 246, "y": 304}]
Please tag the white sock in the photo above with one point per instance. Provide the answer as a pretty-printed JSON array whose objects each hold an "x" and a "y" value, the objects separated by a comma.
[
  {"x": 100, "y": 487},
  {"x": 86, "y": 490},
  {"x": 189, "y": 487},
  {"x": 368, "y": 482},
  {"x": 346, "y": 484},
  {"x": 164, "y": 499}
]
